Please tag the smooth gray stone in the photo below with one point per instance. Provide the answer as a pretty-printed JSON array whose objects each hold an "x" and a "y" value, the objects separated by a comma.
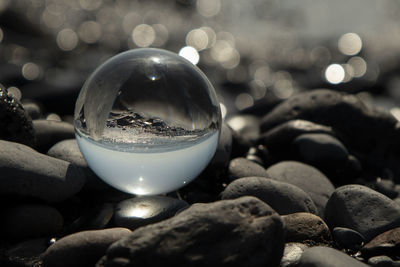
[
  {"x": 321, "y": 150},
  {"x": 327, "y": 257},
  {"x": 49, "y": 132},
  {"x": 83, "y": 248},
  {"x": 303, "y": 226},
  {"x": 307, "y": 178},
  {"x": 25, "y": 172},
  {"x": 242, "y": 167},
  {"x": 139, "y": 211},
  {"x": 362, "y": 209},
  {"x": 348, "y": 238},
  {"x": 239, "y": 232},
  {"x": 30, "y": 221},
  {"x": 284, "y": 198}
]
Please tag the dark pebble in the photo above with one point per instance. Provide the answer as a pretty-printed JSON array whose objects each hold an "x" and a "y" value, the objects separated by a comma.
[
  {"x": 387, "y": 243},
  {"x": 49, "y": 132},
  {"x": 82, "y": 248},
  {"x": 305, "y": 226},
  {"x": 25, "y": 172},
  {"x": 321, "y": 150},
  {"x": 307, "y": 178},
  {"x": 242, "y": 167},
  {"x": 348, "y": 238},
  {"x": 284, "y": 198},
  {"x": 25, "y": 221},
  {"x": 15, "y": 123},
  {"x": 239, "y": 232},
  {"x": 362, "y": 209},
  {"x": 139, "y": 211},
  {"x": 327, "y": 257}
]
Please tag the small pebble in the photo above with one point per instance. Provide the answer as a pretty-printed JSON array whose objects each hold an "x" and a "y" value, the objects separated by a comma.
[
  {"x": 305, "y": 226},
  {"x": 348, "y": 238},
  {"x": 242, "y": 167},
  {"x": 284, "y": 198},
  {"x": 387, "y": 243},
  {"x": 32, "y": 108},
  {"x": 292, "y": 254},
  {"x": 383, "y": 261},
  {"x": 139, "y": 211}
]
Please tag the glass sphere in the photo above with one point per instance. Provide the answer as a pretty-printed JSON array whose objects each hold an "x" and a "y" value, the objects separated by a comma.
[{"x": 147, "y": 121}]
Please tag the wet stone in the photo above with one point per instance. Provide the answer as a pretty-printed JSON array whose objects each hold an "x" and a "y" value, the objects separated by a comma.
[
  {"x": 305, "y": 226},
  {"x": 82, "y": 248},
  {"x": 307, "y": 178},
  {"x": 239, "y": 232},
  {"x": 49, "y": 132},
  {"x": 348, "y": 238},
  {"x": 284, "y": 198},
  {"x": 327, "y": 257},
  {"x": 136, "y": 212},
  {"x": 362, "y": 209},
  {"x": 242, "y": 167},
  {"x": 30, "y": 221},
  {"x": 387, "y": 243},
  {"x": 25, "y": 172},
  {"x": 15, "y": 123}
]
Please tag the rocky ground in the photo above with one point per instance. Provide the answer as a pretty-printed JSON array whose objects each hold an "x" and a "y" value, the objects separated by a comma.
[{"x": 302, "y": 176}]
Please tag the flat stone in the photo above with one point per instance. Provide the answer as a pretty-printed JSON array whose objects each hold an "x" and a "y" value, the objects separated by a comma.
[
  {"x": 25, "y": 221},
  {"x": 362, "y": 209},
  {"x": 327, "y": 257},
  {"x": 15, "y": 123},
  {"x": 239, "y": 232},
  {"x": 387, "y": 243},
  {"x": 82, "y": 248},
  {"x": 139, "y": 211},
  {"x": 242, "y": 167},
  {"x": 307, "y": 178},
  {"x": 305, "y": 226},
  {"x": 284, "y": 198},
  {"x": 49, "y": 132},
  {"x": 25, "y": 172},
  {"x": 348, "y": 238}
]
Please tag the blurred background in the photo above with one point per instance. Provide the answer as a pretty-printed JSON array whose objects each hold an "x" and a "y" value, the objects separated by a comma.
[{"x": 255, "y": 52}]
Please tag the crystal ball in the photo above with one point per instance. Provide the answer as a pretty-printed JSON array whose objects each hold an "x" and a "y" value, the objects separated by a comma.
[{"x": 147, "y": 121}]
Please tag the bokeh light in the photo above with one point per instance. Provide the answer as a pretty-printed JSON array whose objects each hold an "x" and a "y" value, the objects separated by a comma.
[
  {"x": 67, "y": 39},
  {"x": 143, "y": 35},
  {"x": 190, "y": 53},
  {"x": 334, "y": 73},
  {"x": 359, "y": 66},
  {"x": 350, "y": 44},
  {"x": 30, "y": 71}
]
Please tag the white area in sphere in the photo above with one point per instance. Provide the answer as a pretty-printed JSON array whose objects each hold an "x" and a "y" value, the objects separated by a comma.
[
  {"x": 148, "y": 173},
  {"x": 334, "y": 73}
]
